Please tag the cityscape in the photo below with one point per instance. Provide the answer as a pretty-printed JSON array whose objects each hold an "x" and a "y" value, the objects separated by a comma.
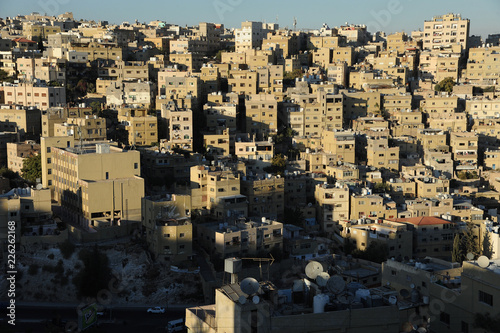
[{"x": 263, "y": 177}]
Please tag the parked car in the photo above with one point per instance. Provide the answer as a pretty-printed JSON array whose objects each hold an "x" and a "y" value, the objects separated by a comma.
[
  {"x": 175, "y": 326},
  {"x": 156, "y": 309}
]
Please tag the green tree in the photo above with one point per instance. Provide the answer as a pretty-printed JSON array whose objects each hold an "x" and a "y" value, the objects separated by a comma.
[
  {"x": 278, "y": 164},
  {"x": 96, "y": 108},
  {"x": 32, "y": 168},
  {"x": 375, "y": 252},
  {"x": 294, "y": 216},
  {"x": 465, "y": 243},
  {"x": 4, "y": 76},
  {"x": 457, "y": 254},
  {"x": 445, "y": 85},
  {"x": 95, "y": 275},
  {"x": 487, "y": 249}
]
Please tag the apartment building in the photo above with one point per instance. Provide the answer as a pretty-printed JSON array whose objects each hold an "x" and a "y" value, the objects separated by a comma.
[
  {"x": 99, "y": 51},
  {"x": 256, "y": 154},
  {"x": 367, "y": 205},
  {"x": 218, "y": 191},
  {"x": 436, "y": 67},
  {"x": 443, "y": 31},
  {"x": 440, "y": 160},
  {"x": 126, "y": 70},
  {"x": 142, "y": 128},
  {"x": 332, "y": 205},
  {"x": 17, "y": 153},
  {"x": 221, "y": 117},
  {"x": 44, "y": 69},
  {"x": 261, "y": 115},
  {"x": 483, "y": 108},
  {"x": 342, "y": 144},
  {"x": 29, "y": 94},
  {"x": 433, "y": 236},
  {"x": 23, "y": 120},
  {"x": 265, "y": 195},
  {"x": 464, "y": 147},
  {"x": 185, "y": 90},
  {"x": 167, "y": 225},
  {"x": 396, "y": 236},
  {"x": 443, "y": 113},
  {"x": 220, "y": 145},
  {"x": 381, "y": 155},
  {"x": 243, "y": 82},
  {"x": 430, "y": 138},
  {"x": 97, "y": 185},
  {"x": 242, "y": 238},
  {"x": 472, "y": 291},
  {"x": 179, "y": 123},
  {"x": 249, "y": 36},
  {"x": 285, "y": 42},
  {"x": 163, "y": 168},
  {"x": 483, "y": 66},
  {"x": 406, "y": 122},
  {"x": 186, "y": 61},
  {"x": 130, "y": 93},
  {"x": 89, "y": 128},
  {"x": 429, "y": 187}
]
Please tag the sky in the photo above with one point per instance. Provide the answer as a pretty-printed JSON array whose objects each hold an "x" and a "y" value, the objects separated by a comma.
[{"x": 387, "y": 15}]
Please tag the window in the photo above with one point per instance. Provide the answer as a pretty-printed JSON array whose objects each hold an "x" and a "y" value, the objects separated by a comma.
[
  {"x": 485, "y": 298},
  {"x": 107, "y": 175},
  {"x": 166, "y": 235},
  {"x": 465, "y": 327},
  {"x": 136, "y": 165},
  {"x": 181, "y": 234},
  {"x": 444, "y": 318}
]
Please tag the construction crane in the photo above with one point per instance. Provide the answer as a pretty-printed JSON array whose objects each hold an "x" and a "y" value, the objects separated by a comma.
[{"x": 270, "y": 262}]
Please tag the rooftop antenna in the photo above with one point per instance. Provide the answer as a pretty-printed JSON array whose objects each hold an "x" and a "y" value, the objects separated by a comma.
[
  {"x": 270, "y": 262},
  {"x": 294, "y": 23}
]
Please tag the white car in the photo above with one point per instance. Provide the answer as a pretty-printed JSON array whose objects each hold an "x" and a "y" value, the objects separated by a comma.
[{"x": 156, "y": 309}]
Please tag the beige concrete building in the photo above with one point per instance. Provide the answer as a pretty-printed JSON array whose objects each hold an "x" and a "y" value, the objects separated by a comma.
[
  {"x": 261, "y": 115},
  {"x": 463, "y": 293},
  {"x": 168, "y": 227},
  {"x": 98, "y": 185},
  {"x": 243, "y": 82},
  {"x": 432, "y": 236},
  {"x": 178, "y": 86},
  {"x": 229, "y": 315},
  {"x": 443, "y": 31},
  {"x": 26, "y": 120},
  {"x": 249, "y": 36},
  {"x": 396, "y": 236},
  {"x": 179, "y": 123},
  {"x": 332, "y": 206},
  {"x": 432, "y": 138},
  {"x": 142, "y": 128},
  {"x": 242, "y": 238},
  {"x": 29, "y": 94},
  {"x": 90, "y": 128},
  {"x": 436, "y": 67},
  {"x": 47, "y": 143},
  {"x": 256, "y": 154},
  {"x": 17, "y": 153},
  {"x": 483, "y": 67},
  {"x": 217, "y": 191},
  {"x": 381, "y": 155},
  {"x": 342, "y": 144},
  {"x": 265, "y": 195},
  {"x": 464, "y": 147}
]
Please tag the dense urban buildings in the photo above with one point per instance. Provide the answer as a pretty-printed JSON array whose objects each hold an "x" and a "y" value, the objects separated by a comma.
[{"x": 352, "y": 173}]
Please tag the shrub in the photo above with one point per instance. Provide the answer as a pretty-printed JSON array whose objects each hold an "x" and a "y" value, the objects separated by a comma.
[{"x": 67, "y": 249}]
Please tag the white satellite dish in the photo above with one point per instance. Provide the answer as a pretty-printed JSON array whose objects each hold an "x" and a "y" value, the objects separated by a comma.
[
  {"x": 301, "y": 285},
  {"x": 483, "y": 261},
  {"x": 412, "y": 286},
  {"x": 335, "y": 284},
  {"x": 242, "y": 299},
  {"x": 313, "y": 269},
  {"x": 249, "y": 286},
  {"x": 322, "y": 279},
  {"x": 470, "y": 256},
  {"x": 39, "y": 186},
  {"x": 256, "y": 299},
  {"x": 393, "y": 299}
]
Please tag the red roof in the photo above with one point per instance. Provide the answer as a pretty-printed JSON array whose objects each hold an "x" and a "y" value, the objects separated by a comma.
[
  {"x": 23, "y": 40},
  {"x": 423, "y": 220}
]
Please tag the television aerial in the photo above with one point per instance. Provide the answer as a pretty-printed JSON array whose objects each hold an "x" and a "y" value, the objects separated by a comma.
[{"x": 313, "y": 269}]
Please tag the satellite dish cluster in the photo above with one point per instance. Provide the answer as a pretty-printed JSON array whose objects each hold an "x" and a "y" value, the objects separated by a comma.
[{"x": 251, "y": 287}]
